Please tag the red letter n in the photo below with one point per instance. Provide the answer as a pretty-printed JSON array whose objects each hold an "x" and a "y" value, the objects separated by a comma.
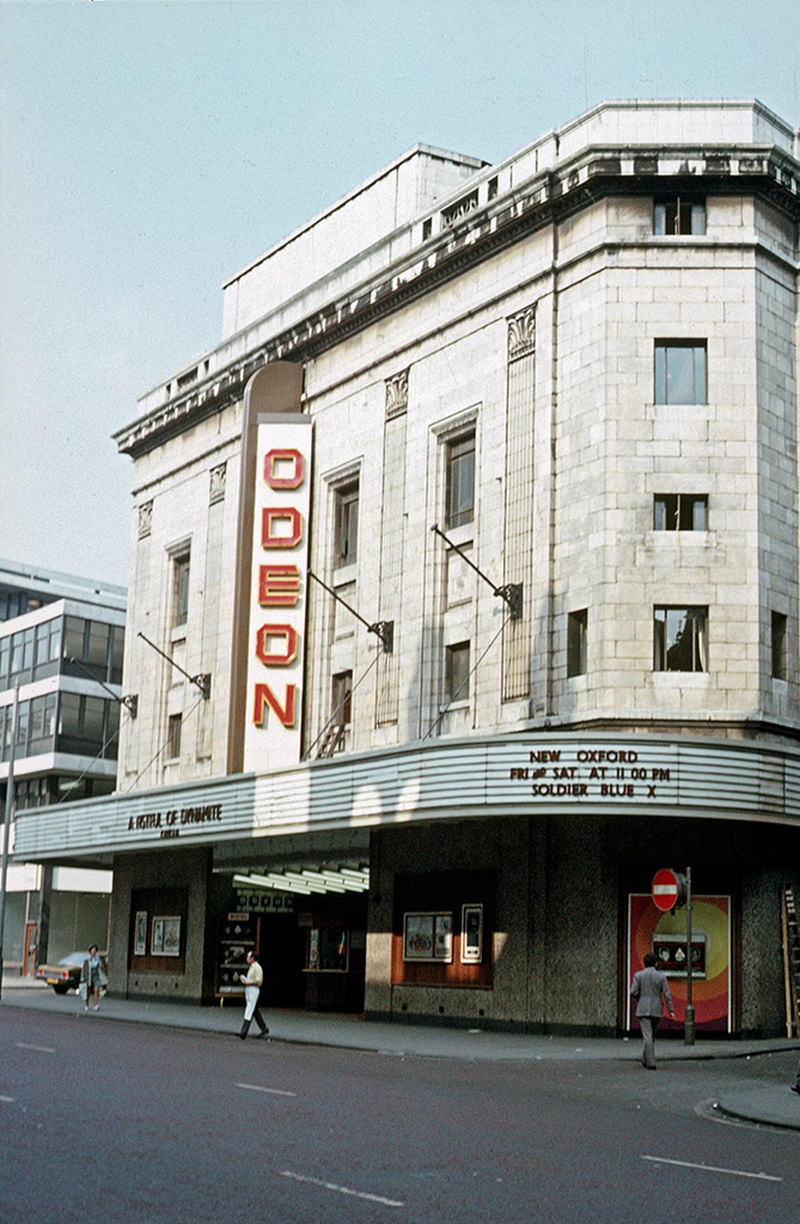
[{"x": 264, "y": 697}]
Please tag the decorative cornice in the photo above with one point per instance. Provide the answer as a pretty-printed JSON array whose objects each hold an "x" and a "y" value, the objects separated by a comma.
[{"x": 594, "y": 174}]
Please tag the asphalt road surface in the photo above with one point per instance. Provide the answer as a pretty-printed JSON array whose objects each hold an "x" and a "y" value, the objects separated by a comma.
[{"x": 130, "y": 1124}]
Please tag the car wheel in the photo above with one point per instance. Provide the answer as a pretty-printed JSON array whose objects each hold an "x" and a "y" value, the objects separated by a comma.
[{"x": 61, "y": 988}]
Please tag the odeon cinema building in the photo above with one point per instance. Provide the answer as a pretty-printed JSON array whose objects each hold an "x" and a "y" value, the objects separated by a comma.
[{"x": 464, "y": 596}]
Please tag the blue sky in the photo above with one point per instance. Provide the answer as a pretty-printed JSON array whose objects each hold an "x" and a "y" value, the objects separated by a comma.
[{"x": 151, "y": 149}]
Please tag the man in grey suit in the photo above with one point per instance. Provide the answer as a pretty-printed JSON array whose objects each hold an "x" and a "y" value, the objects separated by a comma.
[{"x": 649, "y": 988}]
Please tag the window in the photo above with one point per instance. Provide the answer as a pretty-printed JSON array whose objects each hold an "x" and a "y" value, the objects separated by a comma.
[
  {"x": 680, "y": 512},
  {"x": 31, "y": 793},
  {"x": 117, "y": 647},
  {"x": 679, "y": 639},
  {"x": 16, "y": 603},
  {"x": 43, "y": 723},
  {"x": 180, "y": 589},
  {"x": 87, "y": 725},
  {"x": 679, "y": 216},
  {"x": 680, "y": 372},
  {"x": 73, "y": 637},
  {"x": 174, "y": 736},
  {"x": 341, "y": 698},
  {"x": 456, "y": 678},
  {"x": 41, "y": 649},
  {"x": 95, "y": 646},
  {"x": 16, "y": 654},
  {"x": 327, "y": 949},
  {"x": 779, "y": 652},
  {"x": 346, "y": 525},
  {"x": 23, "y": 722},
  {"x": 460, "y": 483},
  {"x": 577, "y": 623}
]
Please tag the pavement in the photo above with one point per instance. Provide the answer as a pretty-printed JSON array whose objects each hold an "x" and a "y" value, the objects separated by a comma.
[{"x": 766, "y": 1103}]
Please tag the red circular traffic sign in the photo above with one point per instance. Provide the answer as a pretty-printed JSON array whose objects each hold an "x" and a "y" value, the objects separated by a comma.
[{"x": 665, "y": 888}]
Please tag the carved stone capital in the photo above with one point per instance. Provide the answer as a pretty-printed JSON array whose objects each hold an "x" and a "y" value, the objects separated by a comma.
[
  {"x": 397, "y": 395},
  {"x": 216, "y": 484},
  {"x": 522, "y": 333},
  {"x": 145, "y": 519}
]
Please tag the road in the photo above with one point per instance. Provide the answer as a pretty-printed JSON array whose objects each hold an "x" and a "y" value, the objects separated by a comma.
[{"x": 135, "y": 1124}]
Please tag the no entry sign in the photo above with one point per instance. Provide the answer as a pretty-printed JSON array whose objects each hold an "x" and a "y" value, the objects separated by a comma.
[{"x": 667, "y": 887}]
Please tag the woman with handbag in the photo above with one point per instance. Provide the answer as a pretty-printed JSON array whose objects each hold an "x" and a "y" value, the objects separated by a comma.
[{"x": 90, "y": 978}]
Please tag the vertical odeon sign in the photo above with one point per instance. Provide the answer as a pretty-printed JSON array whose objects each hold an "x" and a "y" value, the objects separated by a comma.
[{"x": 277, "y": 616}]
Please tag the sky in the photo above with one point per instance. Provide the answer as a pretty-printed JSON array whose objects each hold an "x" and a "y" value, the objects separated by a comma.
[{"x": 149, "y": 149}]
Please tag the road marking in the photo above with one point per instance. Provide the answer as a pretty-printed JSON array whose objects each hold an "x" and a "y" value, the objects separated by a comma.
[
  {"x": 7, "y": 1100},
  {"x": 687, "y": 1164},
  {"x": 21, "y": 1045},
  {"x": 314, "y": 1181},
  {"x": 271, "y": 1091}
]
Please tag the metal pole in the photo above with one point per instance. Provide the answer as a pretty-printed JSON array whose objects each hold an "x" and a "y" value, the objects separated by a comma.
[
  {"x": 7, "y": 825},
  {"x": 688, "y": 1024}
]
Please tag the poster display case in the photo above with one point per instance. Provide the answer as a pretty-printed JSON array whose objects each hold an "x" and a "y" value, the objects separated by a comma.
[{"x": 237, "y": 934}]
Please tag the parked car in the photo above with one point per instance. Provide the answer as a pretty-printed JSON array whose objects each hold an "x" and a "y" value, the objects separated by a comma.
[{"x": 65, "y": 974}]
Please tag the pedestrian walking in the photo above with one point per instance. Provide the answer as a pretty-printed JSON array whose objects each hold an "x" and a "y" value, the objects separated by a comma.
[
  {"x": 90, "y": 978},
  {"x": 252, "y": 982},
  {"x": 651, "y": 990}
]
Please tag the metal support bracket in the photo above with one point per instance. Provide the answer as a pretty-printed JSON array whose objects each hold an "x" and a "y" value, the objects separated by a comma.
[
  {"x": 511, "y": 593},
  {"x": 382, "y": 629}
]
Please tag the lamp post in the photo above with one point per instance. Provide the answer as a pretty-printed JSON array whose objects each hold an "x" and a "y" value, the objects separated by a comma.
[
  {"x": 688, "y": 1023},
  {"x": 7, "y": 826}
]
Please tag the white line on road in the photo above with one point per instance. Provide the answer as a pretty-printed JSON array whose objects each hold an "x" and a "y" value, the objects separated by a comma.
[
  {"x": 271, "y": 1091},
  {"x": 313, "y": 1181},
  {"x": 7, "y": 1100},
  {"x": 687, "y": 1164},
  {"x": 22, "y": 1045}
]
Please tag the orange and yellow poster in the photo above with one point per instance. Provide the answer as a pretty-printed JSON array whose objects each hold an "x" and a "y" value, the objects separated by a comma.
[{"x": 650, "y": 930}]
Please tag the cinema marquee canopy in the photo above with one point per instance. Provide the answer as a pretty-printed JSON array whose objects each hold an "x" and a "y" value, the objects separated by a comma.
[{"x": 635, "y": 776}]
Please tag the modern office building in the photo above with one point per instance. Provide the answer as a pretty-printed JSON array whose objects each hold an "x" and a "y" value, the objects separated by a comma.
[
  {"x": 61, "y": 648},
  {"x": 464, "y": 595}
]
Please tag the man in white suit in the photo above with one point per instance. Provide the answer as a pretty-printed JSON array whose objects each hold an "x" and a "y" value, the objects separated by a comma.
[{"x": 651, "y": 990}]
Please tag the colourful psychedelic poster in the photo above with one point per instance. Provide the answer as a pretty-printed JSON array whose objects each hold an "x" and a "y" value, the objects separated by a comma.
[{"x": 650, "y": 930}]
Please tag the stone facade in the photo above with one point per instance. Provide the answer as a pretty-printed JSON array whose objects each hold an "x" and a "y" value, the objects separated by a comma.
[{"x": 568, "y": 380}]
